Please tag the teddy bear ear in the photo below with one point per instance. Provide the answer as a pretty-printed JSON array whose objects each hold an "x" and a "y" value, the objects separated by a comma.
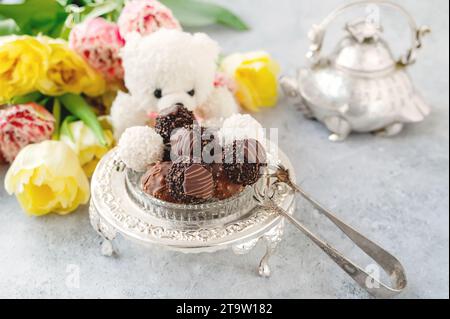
[{"x": 207, "y": 45}]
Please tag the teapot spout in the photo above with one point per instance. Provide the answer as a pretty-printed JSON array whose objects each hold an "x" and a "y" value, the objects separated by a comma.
[{"x": 290, "y": 87}]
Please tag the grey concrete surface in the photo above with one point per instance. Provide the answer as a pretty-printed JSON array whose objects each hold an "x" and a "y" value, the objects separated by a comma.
[{"x": 394, "y": 190}]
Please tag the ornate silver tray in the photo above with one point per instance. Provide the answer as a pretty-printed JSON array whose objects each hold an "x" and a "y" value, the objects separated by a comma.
[{"x": 118, "y": 206}]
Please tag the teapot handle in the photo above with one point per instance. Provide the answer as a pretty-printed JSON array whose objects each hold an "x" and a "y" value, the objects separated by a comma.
[{"x": 317, "y": 34}]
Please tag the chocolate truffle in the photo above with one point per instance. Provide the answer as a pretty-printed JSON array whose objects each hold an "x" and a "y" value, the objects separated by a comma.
[
  {"x": 224, "y": 187},
  {"x": 167, "y": 156},
  {"x": 190, "y": 183},
  {"x": 172, "y": 118},
  {"x": 243, "y": 161},
  {"x": 196, "y": 143},
  {"x": 154, "y": 181}
]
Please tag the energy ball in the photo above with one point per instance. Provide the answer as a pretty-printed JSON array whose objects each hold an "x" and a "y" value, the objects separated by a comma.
[
  {"x": 139, "y": 147},
  {"x": 196, "y": 143},
  {"x": 190, "y": 183},
  {"x": 240, "y": 127},
  {"x": 173, "y": 118},
  {"x": 243, "y": 160},
  {"x": 224, "y": 187}
]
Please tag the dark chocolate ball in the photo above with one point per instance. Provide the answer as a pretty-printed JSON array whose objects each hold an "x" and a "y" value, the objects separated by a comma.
[
  {"x": 167, "y": 155},
  {"x": 190, "y": 183},
  {"x": 243, "y": 160},
  {"x": 173, "y": 118},
  {"x": 224, "y": 187}
]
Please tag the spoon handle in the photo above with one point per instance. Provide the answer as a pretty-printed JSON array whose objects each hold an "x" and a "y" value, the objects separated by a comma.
[{"x": 384, "y": 259}]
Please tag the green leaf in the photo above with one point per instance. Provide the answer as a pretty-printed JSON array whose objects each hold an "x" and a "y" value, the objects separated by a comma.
[
  {"x": 198, "y": 13},
  {"x": 36, "y": 16},
  {"x": 84, "y": 10},
  {"x": 32, "y": 97},
  {"x": 8, "y": 27},
  {"x": 57, "y": 116},
  {"x": 78, "y": 106},
  {"x": 65, "y": 129},
  {"x": 43, "y": 101},
  {"x": 101, "y": 9}
]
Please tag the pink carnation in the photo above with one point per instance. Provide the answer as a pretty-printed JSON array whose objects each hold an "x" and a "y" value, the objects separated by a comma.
[
  {"x": 99, "y": 42},
  {"x": 146, "y": 17},
  {"x": 21, "y": 125},
  {"x": 224, "y": 81}
]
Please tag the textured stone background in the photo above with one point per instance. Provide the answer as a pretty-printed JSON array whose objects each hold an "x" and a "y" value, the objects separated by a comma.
[{"x": 394, "y": 190}]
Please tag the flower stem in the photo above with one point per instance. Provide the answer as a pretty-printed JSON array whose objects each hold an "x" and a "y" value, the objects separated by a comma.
[
  {"x": 78, "y": 106},
  {"x": 57, "y": 116}
]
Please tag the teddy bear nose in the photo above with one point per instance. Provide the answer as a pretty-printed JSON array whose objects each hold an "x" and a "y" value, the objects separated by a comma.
[{"x": 179, "y": 104}]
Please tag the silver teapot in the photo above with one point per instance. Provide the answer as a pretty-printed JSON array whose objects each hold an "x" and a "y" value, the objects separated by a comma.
[{"x": 360, "y": 87}]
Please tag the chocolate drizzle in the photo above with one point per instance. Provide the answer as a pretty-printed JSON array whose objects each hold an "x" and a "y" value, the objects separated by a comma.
[
  {"x": 196, "y": 143},
  {"x": 254, "y": 152},
  {"x": 184, "y": 143},
  {"x": 198, "y": 182},
  {"x": 190, "y": 183}
]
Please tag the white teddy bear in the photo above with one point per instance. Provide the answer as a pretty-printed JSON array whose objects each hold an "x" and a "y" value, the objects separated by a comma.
[{"x": 167, "y": 68}]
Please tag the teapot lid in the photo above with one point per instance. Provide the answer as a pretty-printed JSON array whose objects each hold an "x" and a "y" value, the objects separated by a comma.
[{"x": 363, "y": 50}]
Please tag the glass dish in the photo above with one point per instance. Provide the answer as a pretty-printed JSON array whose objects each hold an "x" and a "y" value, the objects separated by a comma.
[{"x": 231, "y": 208}]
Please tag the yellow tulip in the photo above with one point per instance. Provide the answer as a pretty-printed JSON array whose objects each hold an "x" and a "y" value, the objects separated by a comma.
[
  {"x": 85, "y": 144},
  {"x": 24, "y": 61},
  {"x": 67, "y": 72},
  {"x": 47, "y": 177},
  {"x": 256, "y": 77},
  {"x": 42, "y": 64}
]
